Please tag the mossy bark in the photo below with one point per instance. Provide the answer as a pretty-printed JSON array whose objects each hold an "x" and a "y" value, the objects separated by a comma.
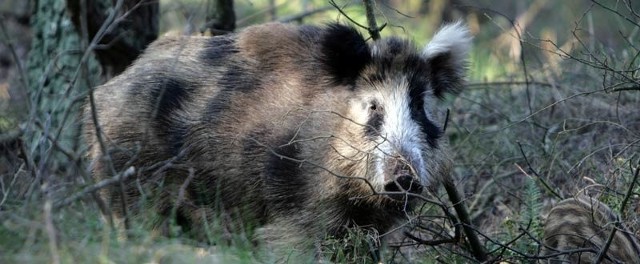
[
  {"x": 64, "y": 64},
  {"x": 58, "y": 79}
]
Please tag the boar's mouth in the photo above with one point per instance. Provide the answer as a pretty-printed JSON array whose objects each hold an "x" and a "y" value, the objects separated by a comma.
[{"x": 403, "y": 187}]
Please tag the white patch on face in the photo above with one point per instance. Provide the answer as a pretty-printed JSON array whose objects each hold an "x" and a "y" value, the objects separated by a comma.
[{"x": 401, "y": 135}]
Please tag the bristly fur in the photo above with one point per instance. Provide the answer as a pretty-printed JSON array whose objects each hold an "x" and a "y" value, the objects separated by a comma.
[
  {"x": 447, "y": 51},
  {"x": 302, "y": 131},
  {"x": 344, "y": 53},
  {"x": 585, "y": 223},
  {"x": 452, "y": 38}
]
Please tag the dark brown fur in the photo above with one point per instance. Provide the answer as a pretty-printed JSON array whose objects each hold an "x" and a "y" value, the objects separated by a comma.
[{"x": 257, "y": 126}]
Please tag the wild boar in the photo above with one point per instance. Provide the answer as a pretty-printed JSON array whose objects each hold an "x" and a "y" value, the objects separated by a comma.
[
  {"x": 303, "y": 131},
  {"x": 577, "y": 229}
]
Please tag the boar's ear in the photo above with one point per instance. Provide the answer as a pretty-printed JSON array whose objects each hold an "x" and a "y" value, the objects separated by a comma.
[
  {"x": 446, "y": 55},
  {"x": 344, "y": 53}
]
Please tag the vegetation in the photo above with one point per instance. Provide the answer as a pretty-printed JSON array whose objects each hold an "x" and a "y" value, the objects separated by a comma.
[{"x": 552, "y": 109}]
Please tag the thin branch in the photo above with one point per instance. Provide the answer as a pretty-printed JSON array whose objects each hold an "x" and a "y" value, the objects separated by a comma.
[
  {"x": 629, "y": 88},
  {"x": 617, "y": 13},
  {"x": 432, "y": 242},
  {"x": 509, "y": 83},
  {"x": 7, "y": 191},
  {"x": 302, "y": 15},
  {"x": 543, "y": 182},
  {"x": 181, "y": 194},
  {"x": 603, "y": 251},
  {"x": 630, "y": 190},
  {"x": 89, "y": 189},
  {"x": 333, "y": 3}
]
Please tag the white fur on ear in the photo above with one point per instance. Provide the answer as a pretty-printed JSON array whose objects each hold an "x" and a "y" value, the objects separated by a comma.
[{"x": 454, "y": 38}]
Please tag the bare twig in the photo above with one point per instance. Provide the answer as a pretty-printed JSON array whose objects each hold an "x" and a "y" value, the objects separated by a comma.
[
  {"x": 6, "y": 191},
  {"x": 432, "y": 242},
  {"x": 617, "y": 13},
  {"x": 628, "y": 88},
  {"x": 542, "y": 181},
  {"x": 56, "y": 144},
  {"x": 183, "y": 188},
  {"x": 603, "y": 251},
  {"x": 634, "y": 180},
  {"x": 109, "y": 24},
  {"x": 28, "y": 159},
  {"x": 333, "y": 3},
  {"x": 302, "y": 15},
  {"x": 89, "y": 189},
  {"x": 509, "y": 83}
]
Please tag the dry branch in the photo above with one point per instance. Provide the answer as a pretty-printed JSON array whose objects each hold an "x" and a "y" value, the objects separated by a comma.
[
  {"x": 302, "y": 15},
  {"x": 89, "y": 189}
]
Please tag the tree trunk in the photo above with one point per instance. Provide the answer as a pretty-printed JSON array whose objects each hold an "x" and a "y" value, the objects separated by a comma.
[
  {"x": 221, "y": 18},
  {"x": 119, "y": 43},
  {"x": 65, "y": 61},
  {"x": 58, "y": 76}
]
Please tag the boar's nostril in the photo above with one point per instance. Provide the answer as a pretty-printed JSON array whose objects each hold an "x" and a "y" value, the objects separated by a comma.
[
  {"x": 397, "y": 168},
  {"x": 403, "y": 184}
]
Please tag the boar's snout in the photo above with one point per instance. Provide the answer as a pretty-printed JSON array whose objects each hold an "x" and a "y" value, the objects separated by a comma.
[{"x": 402, "y": 181}]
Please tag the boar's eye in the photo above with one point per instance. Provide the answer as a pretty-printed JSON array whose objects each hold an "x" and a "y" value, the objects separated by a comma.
[
  {"x": 376, "y": 117},
  {"x": 373, "y": 106}
]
